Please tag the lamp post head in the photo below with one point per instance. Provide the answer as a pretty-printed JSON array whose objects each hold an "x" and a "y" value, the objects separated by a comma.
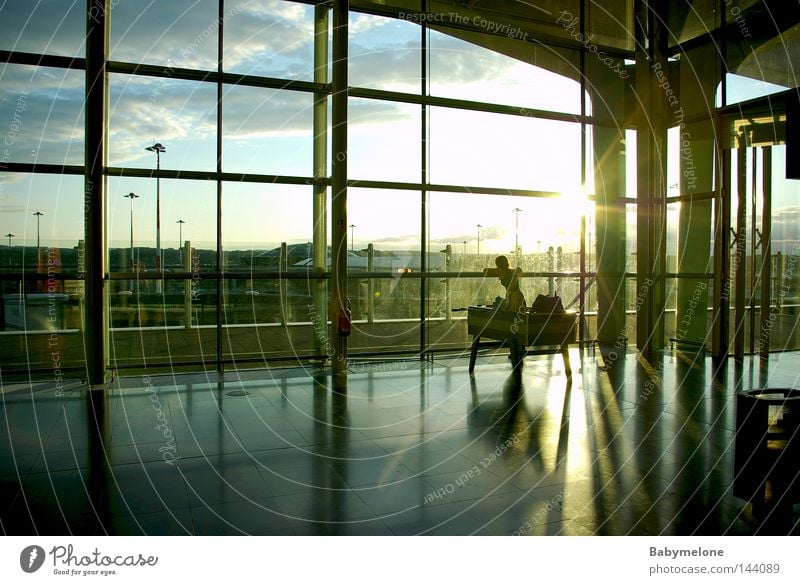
[
  {"x": 157, "y": 148},
  {"x": 131, "y": 196},
  {"x": 38, "y": 213}
]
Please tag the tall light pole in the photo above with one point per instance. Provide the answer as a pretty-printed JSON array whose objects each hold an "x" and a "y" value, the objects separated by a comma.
[
  {"x": 158, "y": 148},
  {"x": 516, "y": 236},
  {"x": 479, "y": 239},
  {"x": 132, "y": 196},
  {"x": 38, "y": 215},
  {"x": 352, "y": 235},
  {"x": 180, "y": 223},
  {"x": 9, "y": 236}
]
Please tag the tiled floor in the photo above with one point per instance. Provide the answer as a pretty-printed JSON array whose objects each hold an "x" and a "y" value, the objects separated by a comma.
[{"x": 630, "y": 447}]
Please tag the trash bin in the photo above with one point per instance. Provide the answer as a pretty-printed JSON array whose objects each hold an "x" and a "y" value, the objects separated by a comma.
[{"x": 767, "y": 443}]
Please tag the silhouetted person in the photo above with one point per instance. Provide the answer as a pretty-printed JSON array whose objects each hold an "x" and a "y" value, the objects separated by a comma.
[{"x": 509, "y": 278}]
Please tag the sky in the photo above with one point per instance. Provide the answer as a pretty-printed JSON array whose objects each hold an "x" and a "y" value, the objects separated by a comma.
[{"x": 270, "y": 132}]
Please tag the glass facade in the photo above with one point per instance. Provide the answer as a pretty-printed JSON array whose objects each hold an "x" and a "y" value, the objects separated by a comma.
[{"x": 465, "y": 141}]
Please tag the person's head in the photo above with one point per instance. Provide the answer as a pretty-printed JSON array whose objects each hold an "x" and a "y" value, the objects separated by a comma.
[{"x": 501, "y": 262}]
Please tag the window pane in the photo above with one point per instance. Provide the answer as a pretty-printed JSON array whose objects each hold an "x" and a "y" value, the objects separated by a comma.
[
  {"x": 179, "y": 114},
  {"x": 544, "y": 223},
  {"x": 150, "y": 328},
  {"x": 43, "y": 112},
  {"x": 59, "y": 198},
  {"x": 258, "y": 218},
  {"x": 394, "y": 235},
  {"x": 267, "y": 131},
  {"x": 47, "y": 322},
  {"x": 385, "y": 53},
  {"x": 740, "y": 88},
  {"x": 631, "y": 236},
  {"x": 673, "y": 212},
  {"x": 385, "y": 314},
  {"x": 785, "y": 212},
  {"x": 384, "y": 141},
  {"x": 179, "y": 33},
  {"x": 272, "y": 38},
  {"x": 54, "y": 27},
  {"x": 482, "y": 149},
  {"x": 193, "y": 202},
  {"x": 268, "y": 318},
  {"x": 631, "y": 186},
  {"x": 462, "y": 70}
]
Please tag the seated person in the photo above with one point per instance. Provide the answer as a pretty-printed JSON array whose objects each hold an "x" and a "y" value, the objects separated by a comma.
[{"x": 509, "y": 278}]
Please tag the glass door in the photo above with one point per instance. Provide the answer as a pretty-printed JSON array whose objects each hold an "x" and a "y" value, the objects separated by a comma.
[{"x": 765, "y": 295}]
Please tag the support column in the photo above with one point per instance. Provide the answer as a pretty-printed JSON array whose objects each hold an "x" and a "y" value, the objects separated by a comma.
[
  {"x": 370, "y": 284},
  {"x": 187, "y": 285},
  {"x": 611, "y": 235},
  {"x": 222, "y": 264},
  {"x": 339, "y": 182},
  {"x": 607, "y": 90},
  {"x": 448, "y": 306},
  {"x": 95, "y": 316},
  {"x": 283, "y": 268},
  {"x": 319, "y": 252},
  {"x": 722, "y": 268},
  {"x": 765, "y": 269},
  {"x": 651, "y": 58},
  {"x": 699, "y": 76},
  {"x": 739, "y": 267}
]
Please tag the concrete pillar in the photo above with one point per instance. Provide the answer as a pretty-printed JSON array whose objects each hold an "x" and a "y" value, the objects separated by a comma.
[
  {"x": 698, "y": 78},
  {"x": 651, "y": 122},
  {"x": 607, "y": 89}
]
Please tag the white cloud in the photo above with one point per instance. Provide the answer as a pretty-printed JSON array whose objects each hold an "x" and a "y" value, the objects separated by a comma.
[
  {"x": 363, "y": 23},
  {"x": 41, "y": 115},
  {"x": 270, "y": 38},
  {"x": 55, "y": 27}
]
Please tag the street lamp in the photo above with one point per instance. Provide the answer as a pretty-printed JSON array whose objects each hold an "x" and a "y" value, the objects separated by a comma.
[
  {"x": 180, "y": 223},
  {"x": 352, "y": 235},
  {"x": 38, "y": 215},
  {"x": 9, "y": 236},
  {"x": 516, "y": 211},
  {"x": 132, "y": 196},
  {"x": 158, "y": 148},
  {"x": 479, "y": 239}
]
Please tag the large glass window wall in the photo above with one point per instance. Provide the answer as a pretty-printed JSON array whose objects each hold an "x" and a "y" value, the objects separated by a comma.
[{"x": 463, "y": 145}]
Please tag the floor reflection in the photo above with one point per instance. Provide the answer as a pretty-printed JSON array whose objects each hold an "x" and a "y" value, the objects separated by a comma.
[{"x": 628, "y": 446}]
